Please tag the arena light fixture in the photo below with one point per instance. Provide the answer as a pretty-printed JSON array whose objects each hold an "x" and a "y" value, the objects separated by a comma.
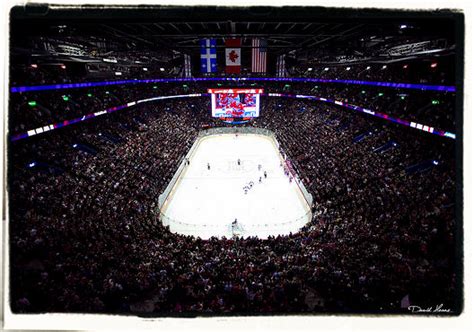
[
  {"x": 405, "y": 66},
  {"x": 74, "y": 145},
  {"x": 118, "y": 73},
  {"x": 380, "y": 94},
  {"x": 310, "y": 69},
  {"x": 434, "y": 65},
  {"x": 368, "y": 67},
  {"x": 384, "y": 67},
  {"x": 145, "y": 69},
  {"x": 326, "y": 69},
  {"x": 348, "y": 68},
  {"x": 435, "y": 162},
  {"x": 89, "y": 95},
  {"x": 63, "y": 66},
  {"x": 435, "y": 102},
  {"x": 32, "y": 103},
  {"x": 403, "y": 26},
  {"x": 34, "y": 65},
  {"x": 162, "y": 69},
  {"x": 65, "y": 98}
]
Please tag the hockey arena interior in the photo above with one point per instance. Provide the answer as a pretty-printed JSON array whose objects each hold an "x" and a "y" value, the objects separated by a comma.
[{"x": 234, "y": 161}]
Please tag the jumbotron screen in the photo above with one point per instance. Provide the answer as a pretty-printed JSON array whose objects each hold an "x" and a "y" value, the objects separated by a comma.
[{"x": 235, "y": 103}]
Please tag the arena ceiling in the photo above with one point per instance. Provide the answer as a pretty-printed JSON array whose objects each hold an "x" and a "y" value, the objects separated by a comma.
[{"x": 309, "y": 31}]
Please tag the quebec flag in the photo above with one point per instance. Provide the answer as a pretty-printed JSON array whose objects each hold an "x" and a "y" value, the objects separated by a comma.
[{"x": 208, "y": 56}]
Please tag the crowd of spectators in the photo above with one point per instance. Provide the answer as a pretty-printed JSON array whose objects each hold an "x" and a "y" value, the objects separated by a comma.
[
  {"x": 31, "y": 110},
  {"x": 430, "y": 70},
  {"x": 84, "y": 233},
  {"x": 435, "y": 70}
]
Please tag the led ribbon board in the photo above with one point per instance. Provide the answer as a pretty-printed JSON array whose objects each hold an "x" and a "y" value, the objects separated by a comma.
[
  {"x": 65, "y": 123},
  {"x": 426, "y": 87},
  {"x": 414, "y": 125}
]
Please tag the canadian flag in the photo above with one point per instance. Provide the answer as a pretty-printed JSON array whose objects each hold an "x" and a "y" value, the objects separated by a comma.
[{"x": 232, "y": 56}]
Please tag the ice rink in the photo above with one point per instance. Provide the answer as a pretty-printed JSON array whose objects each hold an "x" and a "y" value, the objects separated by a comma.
[{"x": 204, "y": 202}]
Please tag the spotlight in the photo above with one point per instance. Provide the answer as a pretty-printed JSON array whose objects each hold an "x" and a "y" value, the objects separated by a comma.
[
  {"x": 63, "y": 66},
  {"x": 368, "y": 67},
  {"x": 118, "y": 73},
  {"x": 145, "y": 69},
  {"x": 435, "y": 162},
  {"x": 405, "y": 66},
  {"x": 34, "y": 65},
  {"x": 434, "y": 65},
  {"x": 310, "y": 69},
  {"x": 403, "y": 26},
  {"x": 33, "y": 164},
  {"x": 74, "y": 145},
  {"x": 162, "y": 69},
  {"x": 326, "y": 69},
  {"x": 384, "y": 67},
  {"x": 348, "y": 68}
]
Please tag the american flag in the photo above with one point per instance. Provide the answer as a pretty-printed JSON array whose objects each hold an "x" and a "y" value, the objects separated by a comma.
[{"x": 259, "y": 55}]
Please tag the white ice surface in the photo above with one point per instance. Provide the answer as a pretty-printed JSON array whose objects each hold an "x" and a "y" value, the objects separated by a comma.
[{"x": 205, "y": 202}]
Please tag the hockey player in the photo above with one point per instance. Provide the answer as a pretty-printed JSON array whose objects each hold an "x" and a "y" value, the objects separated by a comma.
[
  {"x": 208, "y": 166},
  {"x": 265, "y": 174}
]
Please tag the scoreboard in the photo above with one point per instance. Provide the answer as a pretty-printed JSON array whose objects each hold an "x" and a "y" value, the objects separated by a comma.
[{"x": 235, "y": 103}]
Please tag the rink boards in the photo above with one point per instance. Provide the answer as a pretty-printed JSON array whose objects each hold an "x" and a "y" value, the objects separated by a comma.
[{"x": 204, "y": 202}]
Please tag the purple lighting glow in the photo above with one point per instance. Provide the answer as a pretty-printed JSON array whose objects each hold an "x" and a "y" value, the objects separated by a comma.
[{"x": 210, "y": 79}]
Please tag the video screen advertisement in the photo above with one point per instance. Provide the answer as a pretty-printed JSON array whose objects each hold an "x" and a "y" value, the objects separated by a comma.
[{"x": 235, "y": 103}]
